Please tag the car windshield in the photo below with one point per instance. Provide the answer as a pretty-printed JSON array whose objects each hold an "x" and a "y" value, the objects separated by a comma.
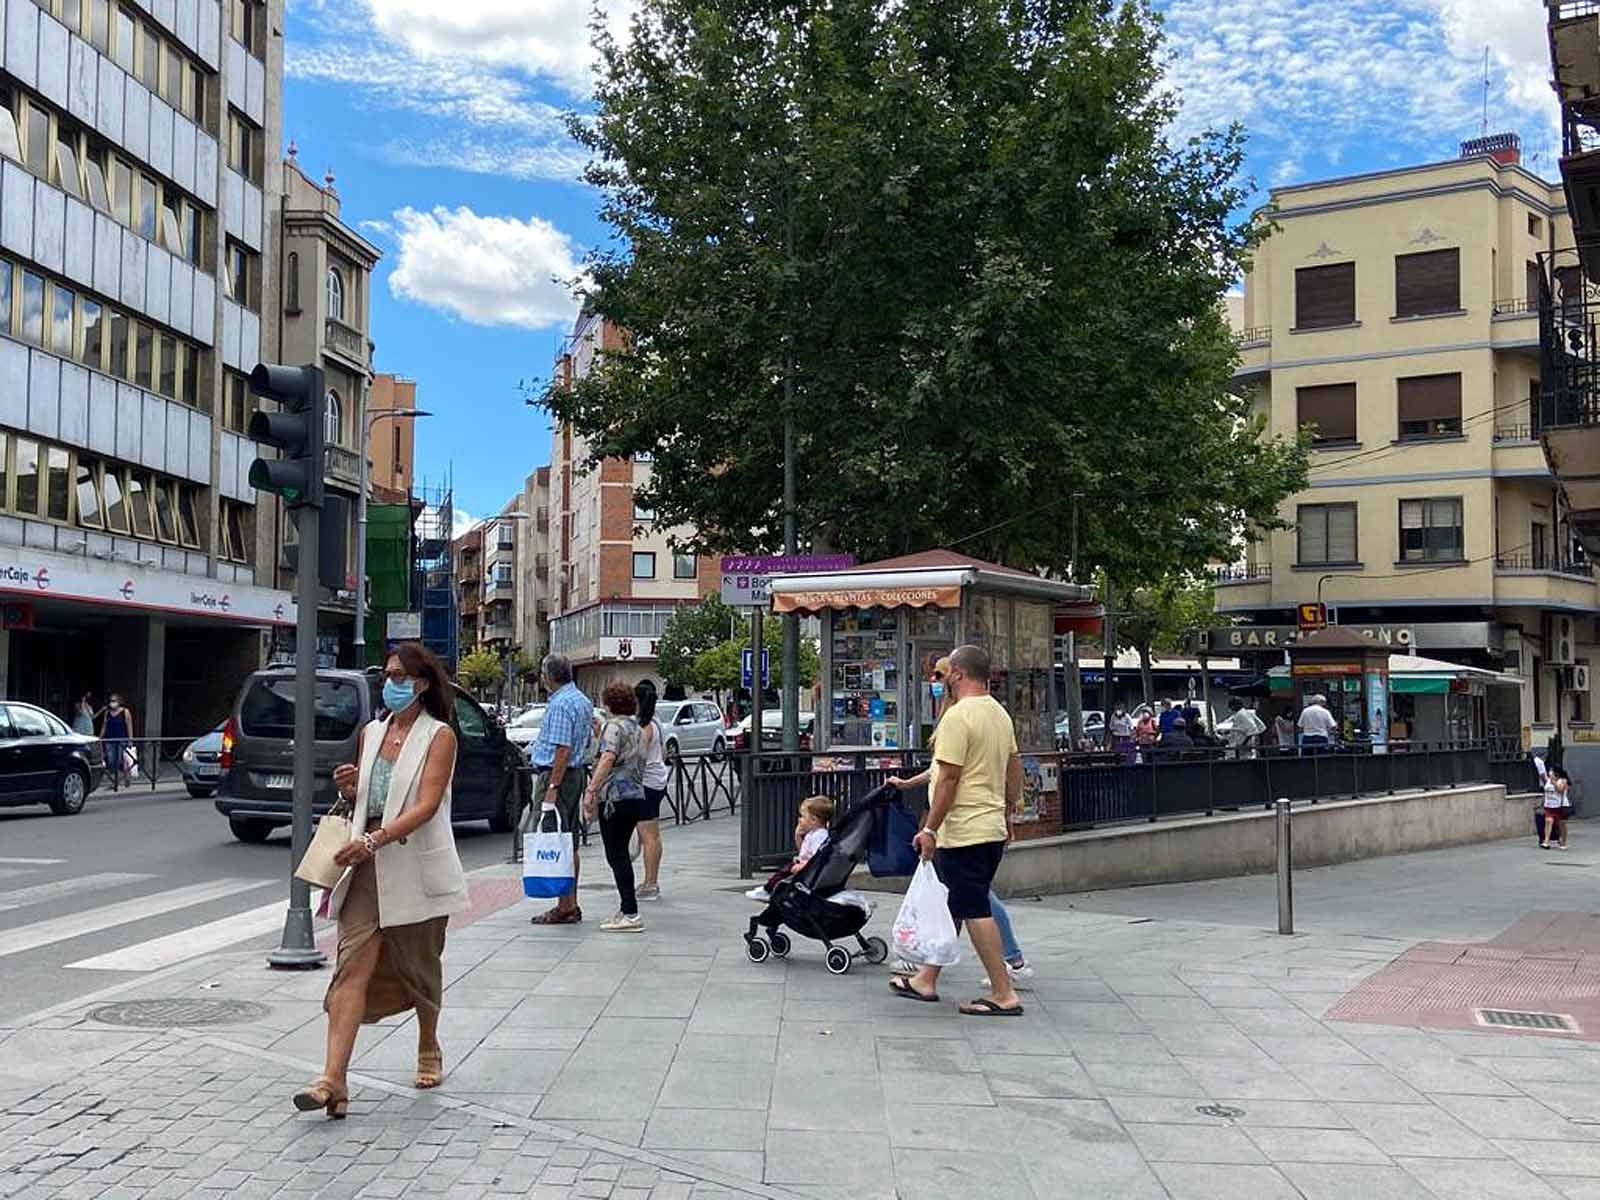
[
  {"x": 531, "y": 719},
  {"x": 267, "y": 710}
]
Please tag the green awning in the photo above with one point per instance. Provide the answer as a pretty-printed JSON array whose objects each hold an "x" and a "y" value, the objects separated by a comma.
[{"x": 1419, "y": 685}]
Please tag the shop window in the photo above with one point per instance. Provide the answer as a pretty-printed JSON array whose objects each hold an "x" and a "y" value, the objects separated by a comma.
[
  {"x": 58, "y": 484},
  {"x": 644, "y": 565},
  {"x": 140, "y": 504},
  {"x": 1330, "y": 411},
  {"x": 1430, "y": 406},
  {"x": 116, "y": 501},
  {"x": 91, "y": 513},
  {"x": 1430, "y": 530},
  {"x": 32, "y": 328},
  {"x": 166, "y": 519},
  {"x": 685, "y": 566},
  {"x": 1428, "y": 283},
  {"x": 1327, "y": 534},
  {"x": 1325, "y": 297}
]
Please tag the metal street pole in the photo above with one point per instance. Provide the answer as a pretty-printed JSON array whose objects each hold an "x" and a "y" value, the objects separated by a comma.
[
  {"x": 299, "y": 947},
  {"x": 791, "y": 528},
  {"x": 1285, "y": 868},
  {"x": 1109, "y": 693},
  {"x": 361, "y": 523}
]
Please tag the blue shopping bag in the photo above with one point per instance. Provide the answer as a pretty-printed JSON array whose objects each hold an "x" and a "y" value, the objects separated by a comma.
[
  {"x": 548, "y": 868},
  {"x": 890, "y": 851}
]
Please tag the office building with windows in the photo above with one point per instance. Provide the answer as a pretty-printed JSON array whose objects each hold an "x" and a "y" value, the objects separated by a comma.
[
  {"x": 1393, "y": 316},
  {"x": 616, "y": 574},
  {"x": 132, "y": 182},
  {"x": 321, "y": 315}
]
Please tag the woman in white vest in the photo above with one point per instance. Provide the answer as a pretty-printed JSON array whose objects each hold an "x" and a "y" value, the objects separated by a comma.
[{"x": 402, "y": 879}]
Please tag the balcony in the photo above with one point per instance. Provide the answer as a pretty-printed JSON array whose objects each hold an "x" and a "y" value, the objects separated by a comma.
[
  {"x": 497, "y": 589},
  {"x": 1569, "y": 372},
  {"x": 1522, "y": 306},
  {"x": 1255, "y": 335},
  {"x": 349, "y": 344},
  {"x": 499, "y": 633},
  {"x": 1539, "y": 579},
  {"x": 344, "y": 466},
  {"x": 1241, "y": 573}
]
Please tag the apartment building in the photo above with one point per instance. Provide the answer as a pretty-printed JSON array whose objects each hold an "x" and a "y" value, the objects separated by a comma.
[
  {"x": 617, "y": 577},
  {"x": 136, "y": 244},
  {"x": 392, "y": 451},
  {"x": 532, "y": 611},
  {"x": 1394, "y": 316},
  {"x": 322, "y": 315},
  {"x": 497, "y": 626}
]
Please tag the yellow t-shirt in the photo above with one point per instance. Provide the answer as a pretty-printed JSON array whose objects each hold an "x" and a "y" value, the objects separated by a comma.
[{"x": 977, "y": 736}]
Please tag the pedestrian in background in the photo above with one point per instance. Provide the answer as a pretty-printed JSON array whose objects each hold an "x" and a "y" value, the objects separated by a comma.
[
  {"x": 83, "y": 715},
  {"x": 392, "y": 924},
  {"x": 655, "y": 790},
  {"x": 559, "y": 758},
  {"x": 1178, "y": 737},
  {"x": 1283, "y": 728},
  {"x": 976, "y": 782},
  {"x": 1241, "y": 728},
  {"x": 1120, "y": 729},
  {"x": 116, "y": 731},
  {"x": 1147, "y": 732},
  {"x": 1168, "y": 716},
  {"x": 615, "y": 794},
  {"x": 1557, "y": 806},
  {"x": 1317, "y": 726}
]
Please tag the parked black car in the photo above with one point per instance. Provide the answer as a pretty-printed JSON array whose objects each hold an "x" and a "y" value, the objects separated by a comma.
[
  {"x": 256, "y": 794},
  {"x": 43, "y": 762}
]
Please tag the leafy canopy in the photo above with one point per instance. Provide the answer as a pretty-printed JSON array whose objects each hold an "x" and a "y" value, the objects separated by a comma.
[
  {"x": 480, "y": 670},
  {"x": 964, "y": 230}
]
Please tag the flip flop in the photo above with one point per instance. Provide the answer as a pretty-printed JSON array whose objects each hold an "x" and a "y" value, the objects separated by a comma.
[
  {"x": 988, "y": 1008},
  {"x": 900, "y": 985}
]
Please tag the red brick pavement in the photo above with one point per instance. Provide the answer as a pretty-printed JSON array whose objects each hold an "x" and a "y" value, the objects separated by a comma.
[{"x": 1548, "y": 962}]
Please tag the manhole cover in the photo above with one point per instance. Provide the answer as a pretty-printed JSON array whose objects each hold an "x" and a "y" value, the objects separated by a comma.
[
  {"x": 162, "y": 1014},
  {"x": 1219, "y": 1110},
  {"x": 1504, "y": 1018}
]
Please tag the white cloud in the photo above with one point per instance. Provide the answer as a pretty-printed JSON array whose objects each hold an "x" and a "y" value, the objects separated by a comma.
[
  {"x": 1362, "y": 72},
  {"x": 499, "y": 156},
  {"x": 544, "y": 38},
  {"x": 461, "y": 521},
  {"x": 485, "y": 270}
]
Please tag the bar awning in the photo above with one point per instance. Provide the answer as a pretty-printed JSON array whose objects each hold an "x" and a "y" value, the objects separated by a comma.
[{"x": 932, "y": 578}]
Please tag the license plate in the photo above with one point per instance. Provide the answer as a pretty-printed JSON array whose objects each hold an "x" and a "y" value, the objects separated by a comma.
[
  {"x": 282, "y": 783},
  {"x": 208, "y": 772}
]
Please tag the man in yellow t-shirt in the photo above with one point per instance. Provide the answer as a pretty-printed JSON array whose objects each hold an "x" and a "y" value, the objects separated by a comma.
[{"x": 976, "y": 776}]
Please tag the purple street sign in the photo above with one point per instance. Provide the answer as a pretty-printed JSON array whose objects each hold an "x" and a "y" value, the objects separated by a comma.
[{"x": 785, "y": 564}]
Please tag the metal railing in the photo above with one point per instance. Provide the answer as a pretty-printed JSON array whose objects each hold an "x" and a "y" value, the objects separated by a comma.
[
  {"x": 1522, "y": 306},
  {"x": 1096, "y": 789},
  {"x": 1543, "y": 564},
  {"x": 1242, "y": 573},
  {"x": 1516, "y": 433},
  {"x": 154, "y": 762},
  {"x": 1255, "y": 335}
]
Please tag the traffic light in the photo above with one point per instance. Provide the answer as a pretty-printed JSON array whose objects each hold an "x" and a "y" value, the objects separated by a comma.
[
  {"x": 333, "y": 521},
  {"x": 296, "y": 431}
]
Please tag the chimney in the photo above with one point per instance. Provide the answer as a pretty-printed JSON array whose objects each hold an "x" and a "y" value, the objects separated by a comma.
[{"x": 1504, "y": 148}]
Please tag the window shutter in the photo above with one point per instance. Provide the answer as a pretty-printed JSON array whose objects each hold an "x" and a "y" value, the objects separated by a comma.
[
  {"x": 1331, "y": 409},
  {"x": 1430, "y": 398},
  {"x": 1341, "y": 533},
  {"x": 1411, "y": 514},
  {"x": 1427, "y": 283},
  {"x": 1532, "y": 296},
  {"x": 1325, "y": 296},
  {"x": 1313, "y": 534}
]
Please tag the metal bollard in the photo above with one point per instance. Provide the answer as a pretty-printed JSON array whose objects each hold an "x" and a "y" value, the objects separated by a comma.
[{"x": 1285, "y": 870}]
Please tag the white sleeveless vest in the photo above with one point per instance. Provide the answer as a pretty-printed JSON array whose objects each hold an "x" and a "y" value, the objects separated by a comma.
[{"x": 419, "y": 877}]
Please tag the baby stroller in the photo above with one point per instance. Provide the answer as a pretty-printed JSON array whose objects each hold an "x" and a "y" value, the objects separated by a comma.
[{"x": 801, "y": 901}]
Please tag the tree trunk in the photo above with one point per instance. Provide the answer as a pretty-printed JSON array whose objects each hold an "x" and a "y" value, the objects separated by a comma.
[{"x": 1145, "y": 679}]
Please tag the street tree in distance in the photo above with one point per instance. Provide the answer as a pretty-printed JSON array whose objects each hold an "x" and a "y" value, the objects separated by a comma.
[
  {"x": 691, "y": 630},
  {"x": 480, "y": 670},
  {"x": 955, "y": 247},
  {"x": 1159, "y": 618}
]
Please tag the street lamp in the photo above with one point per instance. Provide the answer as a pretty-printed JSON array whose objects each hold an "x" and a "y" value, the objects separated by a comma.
[{"x": 361, "y": 522}]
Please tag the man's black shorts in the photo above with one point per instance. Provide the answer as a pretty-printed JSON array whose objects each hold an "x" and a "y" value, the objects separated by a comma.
[{"x": 968, "y": 871}]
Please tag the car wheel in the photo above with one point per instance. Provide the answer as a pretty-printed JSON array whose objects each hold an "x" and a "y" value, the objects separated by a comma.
[
  {"x": 718, "y": 749},
  {"x": 201, "y": 793},
  {"x": 670, "y": 750},
  {"x": 71, "y": 791},
  {"x": 249, "y": 829}
]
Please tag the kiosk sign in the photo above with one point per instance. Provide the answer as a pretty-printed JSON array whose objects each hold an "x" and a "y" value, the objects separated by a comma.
[{"x": 745, "y": 576}]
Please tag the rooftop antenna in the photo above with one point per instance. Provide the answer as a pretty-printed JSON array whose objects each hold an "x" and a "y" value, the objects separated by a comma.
[{"x": 1483, "y": 128}]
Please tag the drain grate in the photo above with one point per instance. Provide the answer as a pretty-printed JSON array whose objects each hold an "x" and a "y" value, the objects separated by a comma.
[
  {"x": 165, "y": 1014},
  {"x": 1506, "y": 1018},
  {"x": 1219, "y": 1110}
]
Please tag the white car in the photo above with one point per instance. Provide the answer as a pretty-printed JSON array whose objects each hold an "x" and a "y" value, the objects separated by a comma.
[
  {"x": 691, "y": 727},
  {"x": 1094, "y": 725},
  {"x": 524, "y": 728}
]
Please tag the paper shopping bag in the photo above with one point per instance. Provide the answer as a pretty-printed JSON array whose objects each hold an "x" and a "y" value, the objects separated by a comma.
[
  {"x": 547, "y": 861},
  {"x": 316, "y": 865}
]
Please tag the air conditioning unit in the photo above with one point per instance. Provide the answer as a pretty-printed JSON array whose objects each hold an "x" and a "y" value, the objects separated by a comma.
[
  {"x": 1580, "y": 678},
  {"x": 1561, "y": 644}
]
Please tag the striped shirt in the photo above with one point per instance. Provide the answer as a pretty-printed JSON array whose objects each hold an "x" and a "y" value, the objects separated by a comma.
[{"x": 568, "y": 721}]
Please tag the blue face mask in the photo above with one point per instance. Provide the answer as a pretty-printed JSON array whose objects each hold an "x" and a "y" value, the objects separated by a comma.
[
  {"x": 938, "y": 689},
  {"x": 398, "y": 696}
]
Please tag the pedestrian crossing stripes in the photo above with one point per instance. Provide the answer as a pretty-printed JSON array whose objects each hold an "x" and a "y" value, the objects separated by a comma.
[
  {"x": 60, "y": 929},
  {"x": 157, "y": 953},
  {"x": 41, "y": 892}
]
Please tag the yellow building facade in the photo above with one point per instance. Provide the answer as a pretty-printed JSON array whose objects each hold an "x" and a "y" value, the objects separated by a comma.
[{"x": 1394, "y": 315}]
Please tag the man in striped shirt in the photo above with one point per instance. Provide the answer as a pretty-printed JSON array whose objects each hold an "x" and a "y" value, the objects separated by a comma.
[{"x": 560, "y": 761}]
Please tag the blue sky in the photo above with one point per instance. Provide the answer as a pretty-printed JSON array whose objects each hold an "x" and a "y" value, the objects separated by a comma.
[{"x": 440, "y": 120}]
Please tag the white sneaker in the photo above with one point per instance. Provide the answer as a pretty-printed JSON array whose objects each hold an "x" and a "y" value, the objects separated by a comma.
[
  {"x": 622, "y": 923},
  {"x": 1019, "y": 973},
  {"x": 759, "y": 894}
]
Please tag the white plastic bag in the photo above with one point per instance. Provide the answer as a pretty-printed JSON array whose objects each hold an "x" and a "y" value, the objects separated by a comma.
[{"x": 924, "y": 932}]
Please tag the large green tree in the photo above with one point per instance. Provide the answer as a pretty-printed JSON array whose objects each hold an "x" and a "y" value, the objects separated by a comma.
[
  {"x": 956, "y": 243},
  {"x": 691, "y": 630},
  {"x": 1159, "y": 618}
]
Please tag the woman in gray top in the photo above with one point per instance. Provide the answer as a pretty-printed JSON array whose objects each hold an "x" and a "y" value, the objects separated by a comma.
[{"x": 616, "y": 793}]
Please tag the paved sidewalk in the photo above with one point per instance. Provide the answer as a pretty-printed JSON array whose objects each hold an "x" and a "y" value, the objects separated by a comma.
[{"x": 1177, "y": 1049}]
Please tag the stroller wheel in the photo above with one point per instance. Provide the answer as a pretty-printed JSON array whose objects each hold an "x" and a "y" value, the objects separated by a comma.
[
  {"x": 838, "y": 959},
  {"x": 780, "y": 944},
  {"x": 877, "y": 950},
  {"x": 757, "y": 949}
]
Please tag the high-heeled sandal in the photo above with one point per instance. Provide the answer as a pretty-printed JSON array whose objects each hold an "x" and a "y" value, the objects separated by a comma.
[
  {"x": 322, "y": 1094},
  {"x": 430, "y": 1068}
]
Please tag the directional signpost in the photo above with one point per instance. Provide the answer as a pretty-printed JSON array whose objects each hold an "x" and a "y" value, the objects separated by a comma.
[
  {"x": 745, "y": 576},
  {"x": 747, "y": 659}
]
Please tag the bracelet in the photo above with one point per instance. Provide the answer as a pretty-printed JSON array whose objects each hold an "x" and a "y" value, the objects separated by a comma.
[
  {"x": 371, "y": 842},
  {"x": 933, "y": 833}
]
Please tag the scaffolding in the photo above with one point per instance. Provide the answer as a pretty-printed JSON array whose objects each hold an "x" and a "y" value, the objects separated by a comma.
[{"x": 435, "y": 584}]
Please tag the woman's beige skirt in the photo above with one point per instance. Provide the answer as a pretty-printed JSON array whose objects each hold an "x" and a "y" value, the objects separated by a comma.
[{"x": 409, "y": 973}]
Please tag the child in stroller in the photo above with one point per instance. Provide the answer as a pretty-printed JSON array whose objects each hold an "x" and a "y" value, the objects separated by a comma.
[{"x": 809, "y": 901}]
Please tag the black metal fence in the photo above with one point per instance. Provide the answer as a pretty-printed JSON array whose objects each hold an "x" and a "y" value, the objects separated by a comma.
[{"x": 1097, "y": 789}]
